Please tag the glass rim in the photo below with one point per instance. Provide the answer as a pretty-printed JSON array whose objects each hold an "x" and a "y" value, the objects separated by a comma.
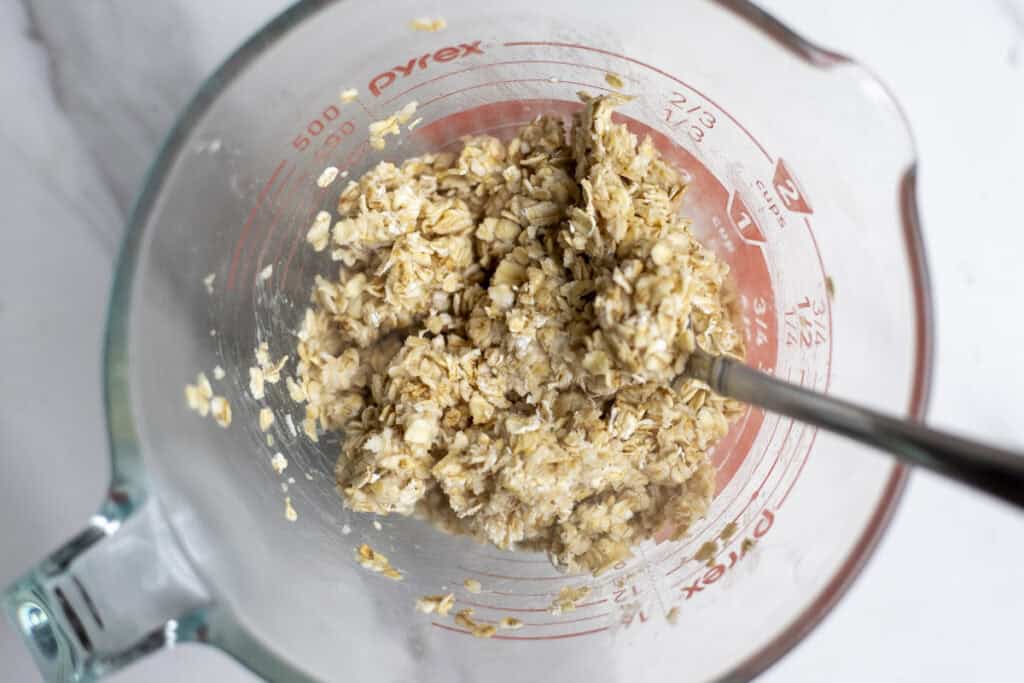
[{"x": 128, "y": 486}]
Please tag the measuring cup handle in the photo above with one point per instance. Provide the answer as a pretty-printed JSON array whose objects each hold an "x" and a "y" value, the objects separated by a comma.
[{"x": 120, "y": 589}]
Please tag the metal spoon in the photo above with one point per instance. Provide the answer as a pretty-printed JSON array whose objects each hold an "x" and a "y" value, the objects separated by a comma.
[{"x": 986, "y": 468}]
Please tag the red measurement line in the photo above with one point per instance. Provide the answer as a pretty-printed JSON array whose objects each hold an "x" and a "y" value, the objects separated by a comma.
[
  {"x": 502, "y": 608},
  {"x": 652, "y": 68},
  {"x": 274, "y": 216},
  {"x": 807, "y": 456},
  {"x": 292, "y": 212},
  {"x": 520, "y": 578},
  {"x": 521, "y": 595},
  {"x": 693, "y": 539},
  {"x": 754, "y": 495},
  {"x": 517, "y": 560},
  {"x": 354, "y": 156},
  {"x": 541, "y": 624},
  {"x": 828, "y": 365},
  {"x": 366, "y": 110},
  {"x": 508, "y": 82},
  {"x": 499, "y": 637},
  {"x": 796, "y": 451},
  {"x": 739, "y": 429},
  {"x": 510, "y": 62},
  {"x": 752, "y": 523},
  {"x": 306, "y": 209},
  {"x": 248, "y": 225}
]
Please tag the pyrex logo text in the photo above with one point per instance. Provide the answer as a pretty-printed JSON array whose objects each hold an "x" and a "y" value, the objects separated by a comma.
[{"x": 445, "y": 54}]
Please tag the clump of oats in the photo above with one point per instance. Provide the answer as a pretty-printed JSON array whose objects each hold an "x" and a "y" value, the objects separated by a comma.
[
  {"x": 199, "y": 395},
  {"x": 496, "y": 342},
  {"x": 327, "y": 176},
  {"x": 442, "y": 604},
  {"x": 218, "y": 372},
  {"x": 672, "y": 616},
  {"x": 279, "y": 463},
  {"x": 706, "y": 552},
  {"x": 428, "y": 24},
  {"x": 200, "y": 398},
  {"x": 256, "y": 383},
  {"x": 348, "y": 95},
  {"x": 510, "y": 623},
  {"x": 289, "y": 512},
  {"x": 379, "y": 130},
  {"x": 464, "y": 618},
  {"x": 266, "y": 419},
  {"x": 370, "y": 559},
  {"x": 614, "y": 80},
  {"x": 220, "y": 409},
  {"x": 568, "y": 599},
  {"x": 319, "y": 233},
  {"x": 472, "y": 585},
  {"x": 265, "y": 371}
]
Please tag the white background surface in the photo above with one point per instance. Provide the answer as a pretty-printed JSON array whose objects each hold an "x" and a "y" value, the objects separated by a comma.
[{"x": 90, "y": 88}]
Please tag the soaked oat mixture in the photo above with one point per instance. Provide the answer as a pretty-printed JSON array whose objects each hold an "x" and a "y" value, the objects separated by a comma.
[{"x": 496, "y": 342}]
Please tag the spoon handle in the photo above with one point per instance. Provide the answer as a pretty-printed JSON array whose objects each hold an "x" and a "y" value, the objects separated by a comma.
[{"x": 987, "y": 468}]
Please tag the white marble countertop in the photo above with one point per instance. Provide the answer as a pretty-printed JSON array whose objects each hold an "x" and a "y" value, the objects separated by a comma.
[{"x": 940, "y": 601}]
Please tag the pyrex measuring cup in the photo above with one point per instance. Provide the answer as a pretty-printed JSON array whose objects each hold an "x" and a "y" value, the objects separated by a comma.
[{"x": 802, "y": 178}]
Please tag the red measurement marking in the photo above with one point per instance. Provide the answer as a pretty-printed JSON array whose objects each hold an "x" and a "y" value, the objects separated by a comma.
[
  {"x": 309, "y": 210},
  {"x": 690, "y": 541},
  {"x": 743, "y": 220},
  {"x": 502, "y": 608},
  {"x": 788, "y": 190},
  {"x": 315, "y": 127},
  {"x": 807, "y": 456},
  {"x": 274, "y": 216},
  {"x": 515, "y": 560},
  {"x": 828, "y": 304},
  {"x": 521, "y": 578},
  {"x": 521, "y": 595},
  {"x": 248, "y": 225},
  {"x": 295, "y": 213},
  {"x": 541, "y": 625},
  {"x": 761, "y": 524},
  {"x": 743, "y": 531},
  {"x": 810, "y": 447},
  {"x": 750, "y": 499},
  {"x": 477, "y": 67},
  {"x": 652, "y": 68},
  {"x": 577, "y": 634},
  {"x": 509, "y": 81}
]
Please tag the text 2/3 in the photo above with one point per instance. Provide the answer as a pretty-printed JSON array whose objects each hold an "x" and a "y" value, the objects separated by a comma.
[
  {"x": 682, "y": 112},
  {"x": 319, "y": 125}
]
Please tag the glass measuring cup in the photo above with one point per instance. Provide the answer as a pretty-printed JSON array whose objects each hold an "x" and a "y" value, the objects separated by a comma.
[{"x": 802, "y": 179}]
